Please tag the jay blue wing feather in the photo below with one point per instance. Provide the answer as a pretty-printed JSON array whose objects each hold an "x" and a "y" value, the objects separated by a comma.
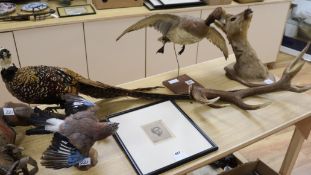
[
  {"x": 74, "y": 104},
  {"x": 61, "y": 154}
]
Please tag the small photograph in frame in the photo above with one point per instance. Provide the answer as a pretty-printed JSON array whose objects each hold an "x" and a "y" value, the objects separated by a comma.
[
  {"x": 159, "y": 136},
  {"x": 77, "y": 10}
]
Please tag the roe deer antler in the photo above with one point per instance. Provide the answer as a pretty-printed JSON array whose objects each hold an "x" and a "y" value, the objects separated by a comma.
[{"x": 236, "y": 97}]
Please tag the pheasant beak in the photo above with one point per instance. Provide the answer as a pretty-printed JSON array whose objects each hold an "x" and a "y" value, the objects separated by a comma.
[
  {"x": 4, "y": 53},
  {"x": 5, "y": 57}
]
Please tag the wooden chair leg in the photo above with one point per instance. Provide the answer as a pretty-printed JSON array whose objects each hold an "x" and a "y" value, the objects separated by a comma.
[{"x": 301, "y": 133}]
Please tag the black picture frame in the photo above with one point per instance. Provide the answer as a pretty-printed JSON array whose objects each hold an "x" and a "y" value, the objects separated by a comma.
[
  {"x": 90, "y": 10},
  {"x": 161, "y": 5},
  {"x": 170, "y": 166}
]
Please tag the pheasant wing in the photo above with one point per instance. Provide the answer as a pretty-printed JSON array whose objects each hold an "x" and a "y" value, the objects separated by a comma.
[
  {"x": 161, "y": 22},
  {"x": 218, "y": 40}
]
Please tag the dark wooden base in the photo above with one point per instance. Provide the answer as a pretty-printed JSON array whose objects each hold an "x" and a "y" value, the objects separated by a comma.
[
  {"x": 180, "y": 84},
  {"x": 231, "y": 74}
]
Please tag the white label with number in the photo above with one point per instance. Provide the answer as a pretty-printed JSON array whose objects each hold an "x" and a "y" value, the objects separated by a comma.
[
  {"x": 179, "y": 155},
  {"x": 8, "y": 111},
  {"x": 189, "y": 82},
  {"x": 173, "y": 81},
  {"x": 86, "y": 161},
  {"x": 77, "y": 103},
  {"x": 269, "y": 81}
]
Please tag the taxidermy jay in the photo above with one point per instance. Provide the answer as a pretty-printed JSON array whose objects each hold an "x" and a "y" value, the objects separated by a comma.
[{"x": 74, "y": 138}]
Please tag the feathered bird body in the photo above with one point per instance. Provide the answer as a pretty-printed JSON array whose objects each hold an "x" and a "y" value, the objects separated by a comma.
[
  {"x": 38, "y": 84},
  {"x": 188, "y": 31},
  {"x": 181, "y": 30},
  {"x": 74, "y": 138},
  {"x": 47, "y": 85},
  {"x": 82, "y": 126}
]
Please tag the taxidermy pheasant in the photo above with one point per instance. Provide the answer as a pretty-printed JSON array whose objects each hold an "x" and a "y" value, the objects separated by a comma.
[
  {"x": 181, "y": 30},
  {"x": 48, "y": 84},
  {"x": 74, "y": 138}
]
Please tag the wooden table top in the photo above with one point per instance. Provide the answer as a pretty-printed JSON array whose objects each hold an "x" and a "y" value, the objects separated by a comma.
[
  {"x": 107, "y": 14},
  {"x": 230, "y": 128}
]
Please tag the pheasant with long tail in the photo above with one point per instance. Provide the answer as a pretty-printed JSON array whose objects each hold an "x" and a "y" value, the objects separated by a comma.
[{"x": 48, "y": 84}]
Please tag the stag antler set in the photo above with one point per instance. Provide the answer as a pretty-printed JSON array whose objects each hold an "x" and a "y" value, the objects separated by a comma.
[
  {"x": 248, "y": 65},
  {"x": 236, "y": 97}
]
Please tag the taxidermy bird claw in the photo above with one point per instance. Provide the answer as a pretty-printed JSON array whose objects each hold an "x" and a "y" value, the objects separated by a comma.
[
  {"x": 52, "y": 109},
  {"x": 182, "y": 50}
]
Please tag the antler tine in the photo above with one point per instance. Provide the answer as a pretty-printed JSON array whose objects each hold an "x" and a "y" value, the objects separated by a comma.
[
  {"x": 241, "y": 104},
  {"x": 236, "y": 97},
  {"x": 299, "y": 89},
  {"x": 297, "y": 64},
  {"x": 200, "y": 94}
]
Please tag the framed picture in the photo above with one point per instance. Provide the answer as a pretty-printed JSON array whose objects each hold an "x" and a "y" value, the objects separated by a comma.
[
  {"x": 160, "y": 136},
  {"x": 159, "y": 4},
  {"x": 297, "y": 29},
  {"x": 77, "y": 10}
]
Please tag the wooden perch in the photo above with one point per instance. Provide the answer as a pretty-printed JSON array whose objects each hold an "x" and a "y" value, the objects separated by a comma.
[{"x": 236, "y": 97}]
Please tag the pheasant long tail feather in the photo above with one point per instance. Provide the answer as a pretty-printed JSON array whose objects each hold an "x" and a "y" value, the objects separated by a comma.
[
  {"x": 106, "y": 91},
  {"x": 101, "y": 90}
]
